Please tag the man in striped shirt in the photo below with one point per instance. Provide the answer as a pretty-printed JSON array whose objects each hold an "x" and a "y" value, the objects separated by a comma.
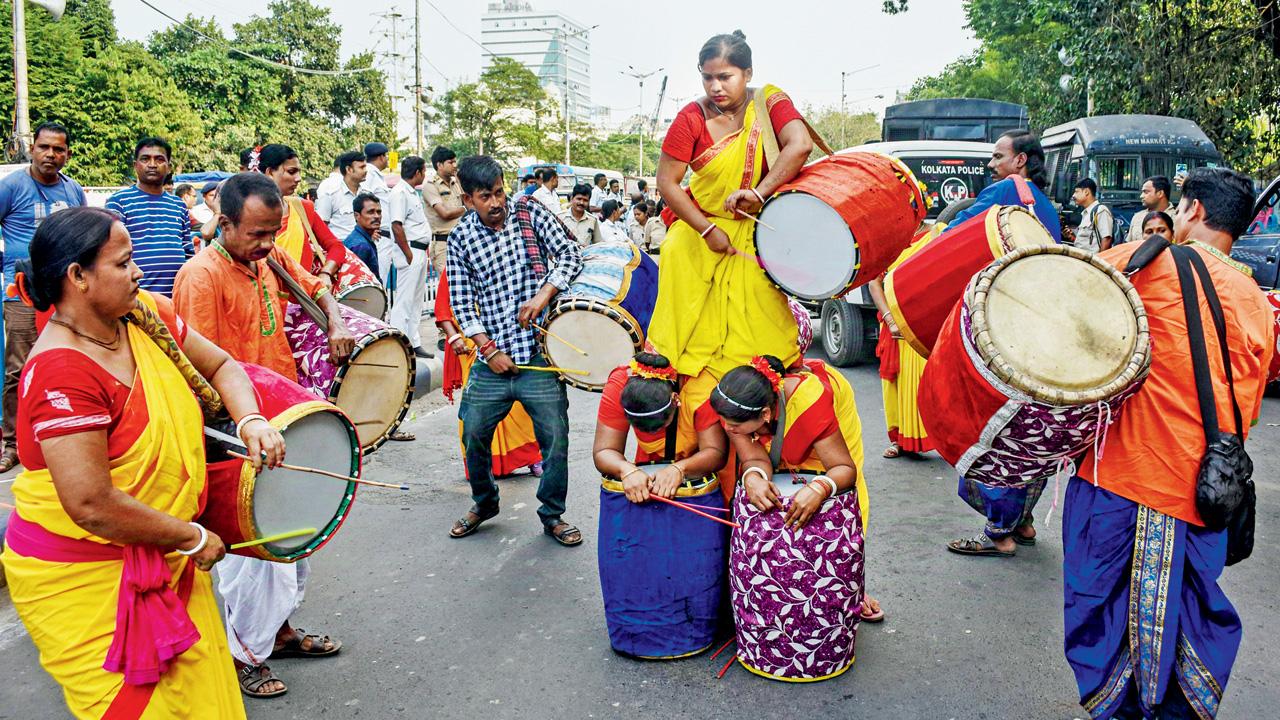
[{"x": 156, "y": 220}]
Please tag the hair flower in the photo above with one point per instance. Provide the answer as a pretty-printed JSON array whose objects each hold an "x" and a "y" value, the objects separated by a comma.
[
  {"x": 762, "y": 366},
  {"x": 639, "y": 369}
]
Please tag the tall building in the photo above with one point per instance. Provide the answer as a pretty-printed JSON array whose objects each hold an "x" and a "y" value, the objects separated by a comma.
[{"x": 542, "y": 42}]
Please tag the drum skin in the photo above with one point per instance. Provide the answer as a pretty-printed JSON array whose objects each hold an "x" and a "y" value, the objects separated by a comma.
[
  {"x": 231, "y": 509},
  {"x": 605, "y": 312},
  {"x": 375, "y": 385},
  {"x": 1002, "y": 425},
  {"x": 875, "y": 195},
  {"x": 358, "y": 288},
  {"x": 662, "y": 571},
  {"x": 797, "y": 593},
  {"x": 922, "y": 290}
]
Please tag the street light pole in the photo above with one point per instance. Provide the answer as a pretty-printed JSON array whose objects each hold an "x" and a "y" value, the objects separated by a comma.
[
  {"x": 21, "y": 104},
  {"x": 844, "y": 74},
  {"x": 417, "y": 74},
  {"x": 641, "y": 77}
]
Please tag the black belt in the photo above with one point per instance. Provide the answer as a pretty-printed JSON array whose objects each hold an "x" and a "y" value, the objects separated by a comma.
[
  {"x": 418, "y": 245},
  {"x": 440, "y": 236}
]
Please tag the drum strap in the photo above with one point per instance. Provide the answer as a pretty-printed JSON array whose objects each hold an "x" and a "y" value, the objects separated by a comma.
[
  {"x": 769, "y": 139},
  {"x": 775, "y": 447},
  {"x": 309, "y": 306},
  {"x": 669, "y": 450},
  {"x": 1185, "y": 258},
  {"x": 1025, "y": 196},
  {"x": 295, "y": 205}
]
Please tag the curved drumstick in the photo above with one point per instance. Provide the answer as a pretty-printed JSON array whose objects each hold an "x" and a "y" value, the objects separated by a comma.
[{"x": 748, "y": 216}]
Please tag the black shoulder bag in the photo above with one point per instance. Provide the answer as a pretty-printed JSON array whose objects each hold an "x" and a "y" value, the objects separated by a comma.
[{"x": 1225, "y": 494}]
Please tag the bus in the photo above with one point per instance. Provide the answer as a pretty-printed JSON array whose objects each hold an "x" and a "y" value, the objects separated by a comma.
[
  {"x": 571, "y": 175},
  {"x": 971, "y": 119}
]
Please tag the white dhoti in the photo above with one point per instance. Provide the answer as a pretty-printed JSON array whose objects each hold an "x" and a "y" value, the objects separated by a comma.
[
  {"x": 409, "y": 295},
  {"x": 258, "y": 597}
]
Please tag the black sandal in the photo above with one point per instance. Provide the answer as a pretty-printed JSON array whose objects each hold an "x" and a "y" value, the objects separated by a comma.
[
  {"x": 292, "y": 648},
  {"x": 253, "y": 677},
  {"x": 981, "y": 545},
  {"x": 470, "y": 526},
  {"x": 569, "y": 536}
]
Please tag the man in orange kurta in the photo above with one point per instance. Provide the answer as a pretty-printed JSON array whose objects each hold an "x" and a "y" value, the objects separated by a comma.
[
  {"x": 230, "y": 295},
  {"x": 1149, "y": 632}
]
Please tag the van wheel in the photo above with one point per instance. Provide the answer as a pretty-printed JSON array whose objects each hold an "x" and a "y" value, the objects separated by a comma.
[
  {"x": 949, "y": 212},
  {"x": 845, "y": 330}
]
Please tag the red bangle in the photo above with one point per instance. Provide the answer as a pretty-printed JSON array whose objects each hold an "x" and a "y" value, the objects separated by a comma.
[{"x": 484, "y": 348}]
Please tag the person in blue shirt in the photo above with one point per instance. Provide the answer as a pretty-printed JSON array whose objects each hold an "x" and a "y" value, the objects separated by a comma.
[
  {"x": 368, "y": 214},
  {"x": 27, "y": 197},
  {"x": 1017, "y": 152},
  {"x": 157, "y": 220}
]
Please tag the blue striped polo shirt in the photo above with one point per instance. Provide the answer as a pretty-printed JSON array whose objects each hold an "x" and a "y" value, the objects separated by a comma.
[{"x": 160, "y": 226}]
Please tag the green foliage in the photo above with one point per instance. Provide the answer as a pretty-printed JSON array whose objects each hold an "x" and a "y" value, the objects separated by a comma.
[
  {"x": 841, "y": 129},
  {"x": 505, "y": 113},
  {"x": 1214, "y": 62},
  {"x": 208, "y": 101}
]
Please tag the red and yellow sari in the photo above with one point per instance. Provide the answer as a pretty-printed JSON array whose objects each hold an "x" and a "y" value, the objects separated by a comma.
[
  {"x": 127, "y": 631},
  {"x": 514, "y": 444},
  {"x": 901, "y": 368},
  {"x": 715, "y": 311}
]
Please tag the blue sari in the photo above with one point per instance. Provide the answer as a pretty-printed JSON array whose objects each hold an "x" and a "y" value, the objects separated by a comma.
[{"x": 1143, "y": 611}]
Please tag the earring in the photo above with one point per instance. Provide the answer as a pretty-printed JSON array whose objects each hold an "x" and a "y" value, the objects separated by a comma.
[{"x": 83, "y": 287}]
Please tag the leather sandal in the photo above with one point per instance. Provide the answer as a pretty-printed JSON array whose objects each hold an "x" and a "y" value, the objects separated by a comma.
[
  {"x": 980, "y": 545},
  {"x": 253, "y": 677},
  {"x": 568, "y": 535},
  {"x": 464, "y": 527}
]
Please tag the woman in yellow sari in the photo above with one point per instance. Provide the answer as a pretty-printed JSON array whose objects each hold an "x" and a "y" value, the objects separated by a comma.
[
  {"x": 105, "y": 566},
  {"x": 716, "y": 308}
]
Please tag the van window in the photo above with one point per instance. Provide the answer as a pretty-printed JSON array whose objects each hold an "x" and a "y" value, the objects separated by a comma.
[
  {"x": 1119, "y": 173},
  {"x": 948, "y": 179},
  {"x": 958, "y": 131},
  {"x": 1267, "y": 221}
]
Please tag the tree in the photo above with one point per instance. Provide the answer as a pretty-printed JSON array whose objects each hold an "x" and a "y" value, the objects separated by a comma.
[
  {"x": 506, "y": 114},
  {"x": 841, "y": 129}
]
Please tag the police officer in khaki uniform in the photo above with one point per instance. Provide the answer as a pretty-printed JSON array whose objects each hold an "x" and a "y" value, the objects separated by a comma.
[{"x": 443, "y": 198}]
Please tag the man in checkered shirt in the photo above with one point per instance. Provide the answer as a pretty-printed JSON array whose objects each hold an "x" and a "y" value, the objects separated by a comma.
[{"x": 502, "y": 274}]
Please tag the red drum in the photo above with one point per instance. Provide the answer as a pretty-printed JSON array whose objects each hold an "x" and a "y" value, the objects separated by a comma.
[
  {"x": 375, "y": 385},
  {"x": 1033, "y": 364},
  {"x": 358, "y": 288},
  {"x": 243, "y": 505},
  {"x": 839, "y": 224},
  {"x": 1273, "y": 372},
  {"x": 923, "y": 289}
]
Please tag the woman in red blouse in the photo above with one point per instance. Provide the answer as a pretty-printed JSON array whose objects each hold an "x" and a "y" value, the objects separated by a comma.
[
  {"x": 716, "y": 308},
  {"x": 645, "y": 397},
  {"x": 303, "y": 234}
]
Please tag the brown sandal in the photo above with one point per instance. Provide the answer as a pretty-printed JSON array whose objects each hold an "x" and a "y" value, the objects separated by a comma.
[
  {"x": 253, "y": 677},
  {"x": 293, "y": 647},
  {"x": 8, "y": 459},
  {"x": 568, "y": 535}
]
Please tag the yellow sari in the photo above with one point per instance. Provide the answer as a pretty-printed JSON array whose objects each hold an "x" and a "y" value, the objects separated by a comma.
[
  {"x": 716, "y": 311},
  {"x": 70, "y": 608},
  {"x": 901, "y": 394}
]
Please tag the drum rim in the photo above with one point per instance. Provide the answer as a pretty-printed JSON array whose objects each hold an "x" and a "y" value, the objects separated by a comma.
[
  {"x": 341, "y": 375},
  {"x": 1135, "y": 369},
  {"x": 999, "y": 231},
  {"x": 755, "y": 247},
  {"x": 249, "y": 480},
  {"x": 689, "y": 488},
  {"x": 580, "y": 302}
]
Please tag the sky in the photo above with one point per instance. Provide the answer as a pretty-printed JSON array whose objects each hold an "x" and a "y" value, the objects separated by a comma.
[{"x": 802, "y": 46}]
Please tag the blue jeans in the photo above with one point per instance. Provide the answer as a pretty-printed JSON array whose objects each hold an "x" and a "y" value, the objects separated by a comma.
[{"x": 486, "y": 400}]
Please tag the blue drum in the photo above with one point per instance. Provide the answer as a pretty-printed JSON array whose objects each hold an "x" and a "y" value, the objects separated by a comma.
[
  {"x": 662, "y": 570},
  {"x": 601, "y": 321}
]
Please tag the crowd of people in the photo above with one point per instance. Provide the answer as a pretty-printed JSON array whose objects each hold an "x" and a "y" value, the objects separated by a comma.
[{"x": 143, "y": 336}]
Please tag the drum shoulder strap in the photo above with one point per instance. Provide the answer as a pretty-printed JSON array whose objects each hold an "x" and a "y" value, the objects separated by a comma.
[
  {"x": 295, "y": 205},
  {"x": 769, "y": 139},
  {"x": 1025, "y": 196},
  {"x": 779, "y": 434},
  {"x": 308, "y": 305}
]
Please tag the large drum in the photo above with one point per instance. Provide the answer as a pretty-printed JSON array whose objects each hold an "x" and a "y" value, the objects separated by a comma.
[
  {"x": 1033, "y": 364},
  {"x": 662, "y": 570},
  {"x": 605, "y": 313},
  {"x": 838, "y": 224},
  {"x": 373, "y": 387},
  {"x": 243, "y": 505},
  {"x": 797, "y": 593},
  {"x": 922, "y": 290},
  {"x": 359, "y": 289}
]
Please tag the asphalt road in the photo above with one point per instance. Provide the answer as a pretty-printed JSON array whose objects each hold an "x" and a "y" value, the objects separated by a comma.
[{"x": 506, "y": 624}]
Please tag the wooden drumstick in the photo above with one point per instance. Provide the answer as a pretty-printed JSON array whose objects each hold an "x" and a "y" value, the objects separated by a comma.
[
  {"x": 753, "y": 218},
  {"x": 566, "y": 371},
  {"x": 570, "y": 345},
  {"x": 690, "y": 508},
  {"x": 7, "y": 505},
  {"x": 326, "y": 473},
  {"x": 273, "y": 538}
]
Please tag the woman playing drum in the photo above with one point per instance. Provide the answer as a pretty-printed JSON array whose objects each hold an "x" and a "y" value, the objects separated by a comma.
[
  {"x": 303, "y": 231},
  {"x": 102, "y": 554},
  {"x": 514, "y": 444},
  {"x": 716, "y": 308},
  {"x": 822, "y": 434},
  {"x": 645, "y": 397}
]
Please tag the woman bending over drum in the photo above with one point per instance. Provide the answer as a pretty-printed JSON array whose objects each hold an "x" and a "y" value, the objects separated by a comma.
[
  {"x": 645, "y": 397},
  {"x": 821, "y": 433},
  {"x": 102, "y": 551}
]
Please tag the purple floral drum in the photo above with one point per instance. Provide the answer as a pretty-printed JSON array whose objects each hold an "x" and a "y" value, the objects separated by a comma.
[
  {"x": 373, "y": 387},
  {"x": 803, "y": 322},
  {"x": 797, "y": 593}
]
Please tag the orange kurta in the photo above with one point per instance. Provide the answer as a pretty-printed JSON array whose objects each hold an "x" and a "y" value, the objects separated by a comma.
[
  {"x": 1153, "y": 451},
  {"x": 240, "y": 308}
]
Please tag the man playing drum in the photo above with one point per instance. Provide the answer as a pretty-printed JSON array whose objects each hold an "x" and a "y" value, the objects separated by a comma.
[
  {"x": 1149, "y": 632},
  {"x": 229, "y": 294},
  {"x": 499, "y": 285},
  {"x": 1008, "y": 510}
]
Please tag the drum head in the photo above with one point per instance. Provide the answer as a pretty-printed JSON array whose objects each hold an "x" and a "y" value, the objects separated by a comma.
[
  {"x": 1060, "y": 322},
  {"x": 1019, "y": 227},
  {"x": 287, "y": 500},
  {"x": 607, "y": 335},
  {"x": 810, "y": 252},
  {"x": 368, "y": 298},
  {"x": 375, "y": 386}
]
